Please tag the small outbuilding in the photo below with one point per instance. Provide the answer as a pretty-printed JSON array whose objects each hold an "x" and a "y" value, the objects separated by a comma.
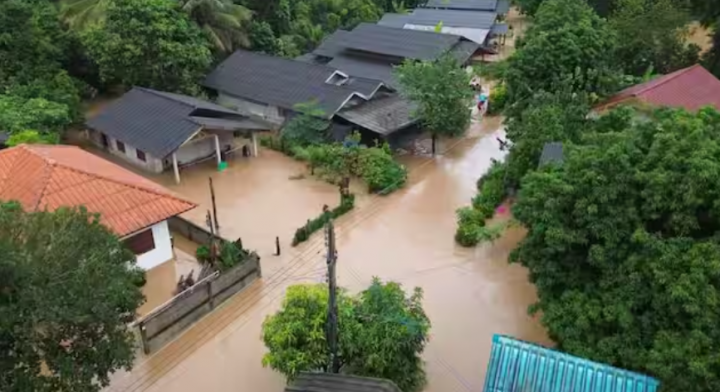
[{"x": 157, "y": 130}]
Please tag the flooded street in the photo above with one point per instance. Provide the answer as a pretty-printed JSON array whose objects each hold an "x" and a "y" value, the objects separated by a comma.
[{"x": 470, "y": 294}]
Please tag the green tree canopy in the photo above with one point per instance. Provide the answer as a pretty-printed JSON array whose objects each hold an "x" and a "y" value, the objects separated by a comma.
[
  {"x": 623, "y": 245},
  {"x": 653, "y": 36},
  {"x": 382, "y": 333},
  {"x": 226, "y": 23},
  {"x": 441, "y": 91},
  {"x": 18, "y": 114},
  {"x": 68, "y": 288},
  {"x": 149, "y": 43},
  {"x": 568, "y": 43}
]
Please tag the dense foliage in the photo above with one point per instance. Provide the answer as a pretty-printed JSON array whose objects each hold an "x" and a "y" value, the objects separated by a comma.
[
  {"x": 440, "y": 91},
  {"x": 623, "y": 245},
  {"x": 382, "y": 333},
  {"x": 223, "y": 255},
  {"x": 302, "y": 234},
  {"x": 653, "y": 36},
  {"x": 18, "y": 114},
  {"x": 149, "y": 43},
  {"x": 68, "y": 288},
  {"x": 309, "y": 126},
  {"x": 569, "y": 45},
  {"x": 492, "y": 190}
]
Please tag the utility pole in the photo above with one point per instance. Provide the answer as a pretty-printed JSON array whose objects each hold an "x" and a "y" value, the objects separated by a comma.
[
  {"x": 332, "y": 327},
  {"x": 214, "y": 208}
]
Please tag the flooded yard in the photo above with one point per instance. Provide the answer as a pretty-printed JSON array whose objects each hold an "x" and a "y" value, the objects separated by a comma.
[{"x": 470, "y": 294}]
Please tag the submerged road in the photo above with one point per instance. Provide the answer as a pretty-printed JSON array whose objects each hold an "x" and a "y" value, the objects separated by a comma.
[{"x": 470, "y": 294}]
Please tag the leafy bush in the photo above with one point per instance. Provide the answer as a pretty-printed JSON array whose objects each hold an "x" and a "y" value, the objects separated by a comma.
[
  {"x": 494, "y": 71},
  {"x": 498, "y": 99},
  {"x": 229, "y": 255},
  {"x": 492, "y": 190},
  {"x": 471, "y": 220},
  {"x": 302, "y": 234},
  {"x": 308, "y": 127},
  {"x": 380, "y": 171},
  {"x": 202, "y": 253},
  {"x": 32, "y": 137}
]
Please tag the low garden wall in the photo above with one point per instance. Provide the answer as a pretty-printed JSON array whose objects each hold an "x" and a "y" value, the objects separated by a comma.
[{"x": 169, "y": 320}]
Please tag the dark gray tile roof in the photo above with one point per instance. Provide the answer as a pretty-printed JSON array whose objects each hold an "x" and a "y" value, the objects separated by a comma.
[
  {"x": 383, "y": 115},
  {"x": 327, "y": 382},
  {"x": 157, "y": 122},
  {"x": 464, "y": 50},
  {"x": 332, "y": 45},
  {"x": 394, "y": 20},
  {"x": 368, "y": 68},
  {"x": 552, "y": 152},
  {"x": 279, "y": 82},
  {"x": 472, "y": 5},
  {"x": 401, "y": 43},
  {"x": 481, "y": 20}
]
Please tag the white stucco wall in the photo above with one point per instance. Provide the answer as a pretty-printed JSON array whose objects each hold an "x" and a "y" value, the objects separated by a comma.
[
  {"x": 151, "y": 164},
  {"x": 163, "y": 248},
  {"x": 268, "y": 112}
]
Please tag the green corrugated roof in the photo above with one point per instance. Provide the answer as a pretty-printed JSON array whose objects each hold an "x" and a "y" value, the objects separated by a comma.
[{"x": 517, "y": 366}]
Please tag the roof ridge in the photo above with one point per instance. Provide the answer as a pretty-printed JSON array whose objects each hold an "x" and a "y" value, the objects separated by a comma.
[
  {"x": 670, "y": 76},
  {"x": 54, "y": 163},
  {"x": 288, "y": 60},
  {"x": 161, "y": 94},
  {"x": 47, "y": 172}
]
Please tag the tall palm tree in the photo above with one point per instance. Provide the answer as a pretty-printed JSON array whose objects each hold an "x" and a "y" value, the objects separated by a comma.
[
  {"x": 227, "y": 23},
  {"x": 81, "y": 13}
]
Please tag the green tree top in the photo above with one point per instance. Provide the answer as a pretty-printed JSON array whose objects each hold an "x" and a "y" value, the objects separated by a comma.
[
  {"x": 149, "y": 43},
  {"x": 441, "y": 90},
  {"x": 623, "y": 245},
  {"x": 382, "y": 333},
  {"x": 68, "y": 288}
]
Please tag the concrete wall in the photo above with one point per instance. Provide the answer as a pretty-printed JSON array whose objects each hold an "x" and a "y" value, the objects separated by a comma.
[
  {"x": 151, "y": 164},
  {"x": 270, "y": 113},
  {"x": 163, "y": 248},
  {"x": 203, "y": 147}
]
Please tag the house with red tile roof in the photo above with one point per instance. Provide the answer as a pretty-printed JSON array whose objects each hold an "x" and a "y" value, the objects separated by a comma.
[
  {"x": 691, "y": 88},
  {"x": 44, "y": 177}
]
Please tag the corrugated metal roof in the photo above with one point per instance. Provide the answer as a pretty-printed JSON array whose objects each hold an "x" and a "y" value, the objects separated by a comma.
[
  {"x": 690, "y": 88},
  {"x": 517, "y": 366},
  {"x": 471, "y": 5},
  {"x": 279, "y": 81},
  {"x": 397, "y": 21},
  {"x": 503, "y": 7},
  {"x": 383, "y": 115},
  {"x": 481, "y": 20},
  {"x": 328, "y": 382},
  {"x": 552, "y": 152}
]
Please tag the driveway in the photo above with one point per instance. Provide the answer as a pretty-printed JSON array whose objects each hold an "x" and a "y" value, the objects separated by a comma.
[{"x": 470, "y": 294}]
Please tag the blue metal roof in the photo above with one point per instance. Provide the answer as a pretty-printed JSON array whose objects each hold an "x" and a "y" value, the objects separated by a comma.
[{"x": 517, "y": 366}]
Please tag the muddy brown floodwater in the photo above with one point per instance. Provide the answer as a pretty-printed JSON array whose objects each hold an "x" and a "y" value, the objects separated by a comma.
[{"x": 470, "y": 294}]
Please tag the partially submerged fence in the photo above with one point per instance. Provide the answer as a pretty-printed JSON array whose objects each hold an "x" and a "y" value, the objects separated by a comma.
[{"x": 167, "y": 321}]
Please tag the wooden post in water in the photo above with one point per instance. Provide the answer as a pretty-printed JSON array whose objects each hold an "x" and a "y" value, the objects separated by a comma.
[
  {"x": 214, "y": 207},
  {"x": 277, "y": 246}
]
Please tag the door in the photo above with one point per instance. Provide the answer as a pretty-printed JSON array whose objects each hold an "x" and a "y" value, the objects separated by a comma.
[{"x": 104, "y": 140}]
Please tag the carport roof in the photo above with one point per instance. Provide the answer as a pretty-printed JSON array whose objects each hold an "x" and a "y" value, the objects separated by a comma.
[
  {"x": 383, "y": 115},
  {"x": 158, "y": 122}
]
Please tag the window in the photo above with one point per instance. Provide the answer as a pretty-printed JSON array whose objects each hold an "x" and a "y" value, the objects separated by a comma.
[
  {"x": 142, "y": 242},
  {"x": 140, "y": 155},
  {"x": 120, "y": 146}
]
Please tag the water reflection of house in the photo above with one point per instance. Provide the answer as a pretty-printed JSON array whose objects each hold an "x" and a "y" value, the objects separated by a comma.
[
  {"x": 158, "y": 131},
  {"x": 349, "y": 76},
  {"x": 517, "y": 366},
  {"x": 329, "y": 382},
  {"x": 134, "y": 208}
]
